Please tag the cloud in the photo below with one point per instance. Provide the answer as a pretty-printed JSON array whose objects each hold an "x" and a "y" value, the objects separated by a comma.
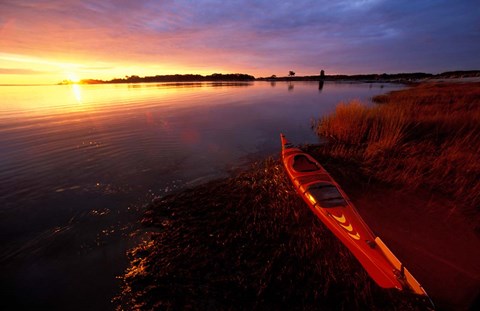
[
  {"x": 262, "y": 36},
  {"x": 20, "y": 71}
]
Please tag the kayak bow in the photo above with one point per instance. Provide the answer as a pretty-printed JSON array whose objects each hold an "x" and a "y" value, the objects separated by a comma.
[{"x": 329, "y": 203}]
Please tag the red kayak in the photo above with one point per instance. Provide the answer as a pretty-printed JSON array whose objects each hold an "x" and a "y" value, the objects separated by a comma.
[{"x": 329, "y": 203}]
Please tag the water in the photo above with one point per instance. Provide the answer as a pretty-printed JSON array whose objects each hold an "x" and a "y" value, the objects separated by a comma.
[{"x": 78, "y": 163}]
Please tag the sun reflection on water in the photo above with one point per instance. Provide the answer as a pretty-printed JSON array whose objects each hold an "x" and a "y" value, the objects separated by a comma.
[{"x": 77, "y": 93}]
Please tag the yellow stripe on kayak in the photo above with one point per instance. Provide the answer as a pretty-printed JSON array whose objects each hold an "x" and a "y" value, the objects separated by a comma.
[
  {"x": 340, "y": 219},
  {"x": 355, "y": 236},
  {"x": 348, "y": 228}
]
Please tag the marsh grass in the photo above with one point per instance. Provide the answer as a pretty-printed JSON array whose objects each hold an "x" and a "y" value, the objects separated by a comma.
[
  {"x": 247, "y": 243},
  {"x": 426, "y": 136},
  {"x": 250, "y": 243}
]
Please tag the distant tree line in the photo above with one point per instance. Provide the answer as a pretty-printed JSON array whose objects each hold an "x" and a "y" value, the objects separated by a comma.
[
  {"x": 360, "y": 77},
  {"x": 459, "y": 74},
  {"x": 176, "y": 78},
  {"x": 291, "y": 77},
  {"x": 402, "y": 77}
]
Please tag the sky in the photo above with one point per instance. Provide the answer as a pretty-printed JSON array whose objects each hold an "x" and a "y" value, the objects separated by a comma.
[{"x": 49, "y": 41}]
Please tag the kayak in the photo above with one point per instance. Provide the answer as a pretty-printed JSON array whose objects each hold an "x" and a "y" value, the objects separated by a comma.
[{"x": 332, "y": 206}]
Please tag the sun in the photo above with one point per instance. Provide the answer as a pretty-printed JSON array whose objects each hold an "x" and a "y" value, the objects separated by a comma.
[{"x": 73, "y": 77}]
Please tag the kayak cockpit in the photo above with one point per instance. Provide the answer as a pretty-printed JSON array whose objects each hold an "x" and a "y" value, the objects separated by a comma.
[
  {"x": 325, "y": 195},
  {"x": 301, "y": 163}
]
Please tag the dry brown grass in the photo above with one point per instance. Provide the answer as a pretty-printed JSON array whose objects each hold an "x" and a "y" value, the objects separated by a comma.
[{"x": 426, "y": 136}]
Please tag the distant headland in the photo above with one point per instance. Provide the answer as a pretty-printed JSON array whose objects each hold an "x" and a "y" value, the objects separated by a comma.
[{"x": 396, "y": 77}]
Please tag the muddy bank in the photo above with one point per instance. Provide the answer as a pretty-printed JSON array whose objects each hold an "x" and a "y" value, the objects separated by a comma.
[{"x": 247, "y": 242}]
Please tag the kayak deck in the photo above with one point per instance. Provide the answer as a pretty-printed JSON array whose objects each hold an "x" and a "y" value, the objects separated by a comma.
[{"x": 332, "y": 206}]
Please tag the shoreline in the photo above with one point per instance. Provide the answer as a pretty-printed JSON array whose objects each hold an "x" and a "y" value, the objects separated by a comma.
[
  {"x": 317, "y": 79},
  {"x": 406, "y": 78},
  {"x": 259, "y": 240}
]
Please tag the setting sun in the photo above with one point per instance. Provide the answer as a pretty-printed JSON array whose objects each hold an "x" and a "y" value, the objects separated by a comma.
[{"x": 73, "y": 77}]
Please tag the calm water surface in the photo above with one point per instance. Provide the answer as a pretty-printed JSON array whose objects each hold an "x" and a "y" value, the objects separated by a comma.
[{"x": 78, "y": 163}]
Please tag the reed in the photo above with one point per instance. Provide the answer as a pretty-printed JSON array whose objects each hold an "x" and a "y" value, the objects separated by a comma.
[{"x": 426, "y": 136}]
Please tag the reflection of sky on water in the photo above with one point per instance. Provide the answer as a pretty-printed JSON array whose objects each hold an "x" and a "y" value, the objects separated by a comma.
[
  {"x": 59, "y": 137},
  {"x": 79, "y": 135}
]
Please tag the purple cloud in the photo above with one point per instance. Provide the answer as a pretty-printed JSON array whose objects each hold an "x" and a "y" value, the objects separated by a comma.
[{"x": 258, "y": 37}]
